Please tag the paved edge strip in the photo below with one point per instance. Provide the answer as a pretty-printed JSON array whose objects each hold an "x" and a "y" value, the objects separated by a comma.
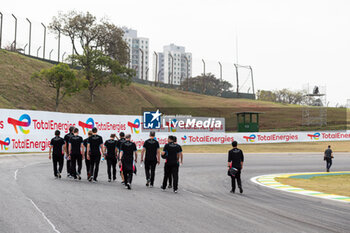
[{"x": 269, "y": 181}]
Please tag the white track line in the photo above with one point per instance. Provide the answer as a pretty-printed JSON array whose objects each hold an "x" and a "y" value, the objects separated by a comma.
[
  {"x": 300, "y": 190},
  {"x": 15, "y": 176},
  {"x": 44, "y": 216},
  {"x": 31, "y": 201}
]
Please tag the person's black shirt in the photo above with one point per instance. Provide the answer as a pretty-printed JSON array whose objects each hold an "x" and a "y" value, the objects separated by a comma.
[
  {"x": 85, "y": 142},
  {"x": 67, "y": 137},
  {"x": 128, "y": 148},
  {"x": 236, "y": 157},
  {"x": 328, "y": 153},
  {"x": 151, "y": 145},
  {"x": 171, "y": 149},
  {"x": 57, "y": 145},
  {"x": 111, "y": 144},
  {"x": 95, "y": 142},
  {"x": 180, "y": 148},
  {"x": 75, "y": 141},
  {"x": 120, "y": 142}
]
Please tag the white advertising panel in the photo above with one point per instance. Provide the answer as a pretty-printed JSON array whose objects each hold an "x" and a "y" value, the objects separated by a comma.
[{"x": 31, "y": 131}]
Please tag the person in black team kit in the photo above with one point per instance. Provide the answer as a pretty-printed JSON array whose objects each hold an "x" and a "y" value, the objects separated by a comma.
[
  {"x": 95, "y": 147},
  {"x": 111, "y": 157},
  {"x": 151, "y": 146},
  {"x": 66, "y": 139},
  {"x": 57, "y": 147},
  {"x": 76, "y": 151},
  {"x": 171, "y": 153},
  {"x": 328, "y": 156},
  {"x": 236, "y": 159},
  {"x": 119, "y": 143},
  {"x": 170, "y": 178},
  {"x": 87, "y": 162},
  {"x": 127, "y": 150}
]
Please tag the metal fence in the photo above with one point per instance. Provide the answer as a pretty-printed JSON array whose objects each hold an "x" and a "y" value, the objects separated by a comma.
[{"x": 33, "y": 39}]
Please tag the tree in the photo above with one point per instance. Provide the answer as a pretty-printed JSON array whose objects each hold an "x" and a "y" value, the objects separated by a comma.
[
  {"x": 99, "y": 48},
  {"x": 100, "y": 70},
  {"x": 62, "y": 79},
  {"x": 284, "y": 96},
  {"x": 206, "y": 84}
]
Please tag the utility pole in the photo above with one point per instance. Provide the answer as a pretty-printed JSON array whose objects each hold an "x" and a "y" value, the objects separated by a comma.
[
  {"x": 15, "y": 41},
  {"x": 59, "y": 44},
  {"x": 172, "y": 68},
  {"x": 1, "y": 17},
  {"x": 236, "y": 66},
  {"x": 30, "y": 35},
  {"x": 187, "y": 65},
  {"x": 141, "y": 63},
  {"x": 156, "y": 71},
  {"x": 44, "y": 40}
]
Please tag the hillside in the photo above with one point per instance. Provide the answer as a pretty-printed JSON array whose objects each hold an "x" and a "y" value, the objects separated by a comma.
[{"x": 18, "y": 90}]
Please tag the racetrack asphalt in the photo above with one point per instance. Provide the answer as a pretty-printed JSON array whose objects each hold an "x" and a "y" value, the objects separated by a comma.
[{"x": 32, "y": 201}]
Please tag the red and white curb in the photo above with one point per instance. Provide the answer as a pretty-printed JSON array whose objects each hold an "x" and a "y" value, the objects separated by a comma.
[{"x": 269, "y": 181}]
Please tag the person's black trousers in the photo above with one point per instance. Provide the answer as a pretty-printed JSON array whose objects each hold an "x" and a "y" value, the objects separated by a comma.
[
  {"x": 329, "y": 163},
  {"x": 68, "y": 166},
  {"x": 112, "y": 165},
  {"x": 128, "y": 173},
  {"x": 171, "y": 170},
  {"x": 169, "y": 178},
  {"x": 57, "y": 160},
  {"x": 233, "y": 180},
  {"x": 76, "y": 159},
  {"x": 94, "y": 165},
  {"x": 150, "y": 170},
  {"x": 87, "y": 164}
]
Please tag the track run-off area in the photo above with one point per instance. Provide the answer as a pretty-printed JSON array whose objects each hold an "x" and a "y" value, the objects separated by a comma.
[{"x": 32, "y": 200}]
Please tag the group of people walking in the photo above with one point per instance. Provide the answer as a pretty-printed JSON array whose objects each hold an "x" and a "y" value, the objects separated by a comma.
[{"x": 121, "y": 152}]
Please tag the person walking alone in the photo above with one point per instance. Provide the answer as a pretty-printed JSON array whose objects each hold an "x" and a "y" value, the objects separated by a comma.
[
  {"x": 235, "y": 160},
  {"x": 328, "y": 156}
]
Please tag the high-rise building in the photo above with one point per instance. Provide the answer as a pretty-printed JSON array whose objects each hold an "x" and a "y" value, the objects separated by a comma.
[
  {"x": 174, "y": 65},
  {"x": 139, "y": 53}
]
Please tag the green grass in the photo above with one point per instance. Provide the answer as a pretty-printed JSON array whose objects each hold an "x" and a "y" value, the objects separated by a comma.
[
  {"x": 335, "y": 184},
  {"x": 316, "y": 147},
  {"x": 18, "y": 91}
]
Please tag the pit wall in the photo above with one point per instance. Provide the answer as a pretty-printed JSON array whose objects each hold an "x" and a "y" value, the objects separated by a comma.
[{"x": 31, "y": 131}]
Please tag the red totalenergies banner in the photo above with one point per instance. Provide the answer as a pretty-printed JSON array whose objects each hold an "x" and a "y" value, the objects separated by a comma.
[{"x": 31, "y": 131}]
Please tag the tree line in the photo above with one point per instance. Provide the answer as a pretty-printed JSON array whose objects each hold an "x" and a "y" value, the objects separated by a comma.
[{"x": 100, "y": 54}]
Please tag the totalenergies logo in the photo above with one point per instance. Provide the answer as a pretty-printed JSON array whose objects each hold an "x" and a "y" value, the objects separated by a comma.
[
  {"x": 250, "y": 138},
  {"x": 172, "y": 125},
  {"x": 4, "y": 144},
  {"x": 184, "y": 139},
  {"x": 90, "y": 123},
  {"x": 314, "y": 136},
  {"x": 23, "y": 121},
  {"x": 135, "y": 127}
]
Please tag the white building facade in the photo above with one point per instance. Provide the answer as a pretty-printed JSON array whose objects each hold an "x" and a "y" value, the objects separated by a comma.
[
  {"x": 139, "y": 53},
  {"x": 174, "y": 65}
]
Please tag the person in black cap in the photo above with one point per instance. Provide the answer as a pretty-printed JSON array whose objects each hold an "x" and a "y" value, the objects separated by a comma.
[
  {"x": 111, "y": 157},
  {"x": 328, "y": 156},
  {"x": 152, "y": 158},
  {"x": 127, "y": 151},
  {"x": 120, "y": 141},
  {"x": 170, "y": 178},
  {"x": 76, "y": 151},
  {"x": 66, "y": 139},
  {"x": 87, "y": 162},
  {"x": 235, "y": 160},
  {"x": 171, "y": 154},
  {"x": 56, "y": 152},
  {"x": 95, "y": 149}
]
